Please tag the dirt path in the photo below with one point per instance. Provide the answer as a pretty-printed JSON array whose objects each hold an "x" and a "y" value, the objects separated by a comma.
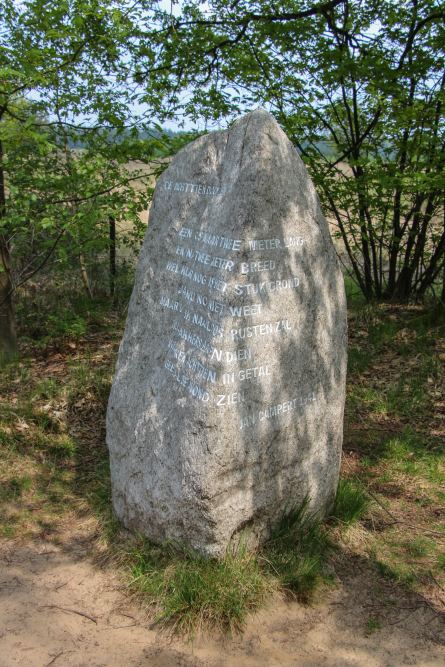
[{"x": 41, "y": 582}]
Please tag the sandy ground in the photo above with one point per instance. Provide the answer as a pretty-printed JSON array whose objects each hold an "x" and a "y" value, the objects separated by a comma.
[{"x": 45, "y": 589}]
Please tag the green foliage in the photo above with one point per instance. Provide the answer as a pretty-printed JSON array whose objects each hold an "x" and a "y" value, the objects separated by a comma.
[
  {"x": 75, "y": 156},
  {"x": 60, "y": 199},
  {"x": 60, "y": 311},
  {"x": 351, "y": 502},
  {"x": 48, "y": 465},
  {"x": 359, "y": 88},
  {"x": 354, "y": 295},
  {"x": 393, "y": 424},
  {"x": 66, "y": 323},
  {"x": 190, "y": 592},
  {"x": 441, "y": 561},
  {"x": 396, "y": 569}
]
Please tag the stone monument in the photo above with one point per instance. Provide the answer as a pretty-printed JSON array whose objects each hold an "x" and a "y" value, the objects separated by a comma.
[{"x": 226, "y": 409}]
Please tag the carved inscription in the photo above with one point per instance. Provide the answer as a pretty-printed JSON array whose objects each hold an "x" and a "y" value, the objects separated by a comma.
[
  {"x": 194, "y": 188},
  {"x": 213, "y": 350}
]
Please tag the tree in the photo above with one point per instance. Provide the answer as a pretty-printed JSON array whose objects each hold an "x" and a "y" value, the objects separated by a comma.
[
  {"x": 359, "y": 88},
  {"x": 7, "y": 320},
  {"x": 66, "y": 132}
]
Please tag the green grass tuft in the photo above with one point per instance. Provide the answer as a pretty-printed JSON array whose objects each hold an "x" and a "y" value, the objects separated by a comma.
[
  {"x": 190, "y": 592},
  {"x": 351, "y": 502},
  {"x": 399, "y": 571},
  {"x": 358, "y": 360},
  {"x": 419, "y": 547},
  {"x": 410, "y": 454},
  {"x": 441, "y": 561},
  {"x": 14, "y": 488},
  {"x": 296, "y": 553},
  {"x": 372, "y": 625}
]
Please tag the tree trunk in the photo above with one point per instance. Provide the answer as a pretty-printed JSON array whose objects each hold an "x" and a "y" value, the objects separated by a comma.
[
  {"x": 8, "y": 336},
  {"x": 112, "y": 224},
  {"x": 84, "y": 275},
  {"x": 442, "y": 296}
]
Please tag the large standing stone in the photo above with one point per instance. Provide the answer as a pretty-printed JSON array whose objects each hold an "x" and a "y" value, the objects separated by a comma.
[{"x": 227, "y": 405}]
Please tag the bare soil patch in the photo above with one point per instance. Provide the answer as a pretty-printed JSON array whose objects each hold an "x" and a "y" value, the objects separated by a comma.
[{"x": 60, "y": 608}]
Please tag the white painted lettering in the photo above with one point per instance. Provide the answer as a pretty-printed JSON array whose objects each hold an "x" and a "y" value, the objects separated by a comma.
[
  {"x": 185, "y": 233},
  {"x": 245, "y": 311},
  {"x": 217, "y": 284},
  {"x": 168, "y": 303},
  {"x": 264, "y": 244},
  {"x": 293, "y": 241},
  {"x": 193, "y": 339},
  {"x": 213, "y": 328},
  {"x": 230, "y": 356},
  {"x": 257, "y": 267},
  {"x": 227, "y": 400},
  {"x": 250, "y": 289},
  {"x": 193, "y": 389},
  {"x": 172, "y": 266}
]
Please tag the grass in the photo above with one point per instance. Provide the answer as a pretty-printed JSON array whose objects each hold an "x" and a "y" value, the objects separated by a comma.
[
  {"x": 395, "y": 439},
  {"x": 388, "y": 510},
  {"x": 189, "y": 593},
  {"x": 372, "y": 625},
  {"x": 51, "y": 441},
  {"x": 297, "y": 553},
  {"x": 351, "y": 502}
]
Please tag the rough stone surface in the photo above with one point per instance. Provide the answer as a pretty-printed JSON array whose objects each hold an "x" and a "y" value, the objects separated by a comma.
[{"x": 227, "y": 404}]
